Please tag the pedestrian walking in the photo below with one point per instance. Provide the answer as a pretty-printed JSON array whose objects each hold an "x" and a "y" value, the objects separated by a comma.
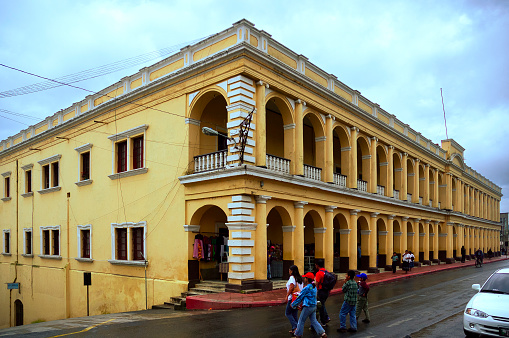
[
  {"x": 323, "y": 292},
  {"x": 270, "y": 252},
  {"x": 348, "y": 308},
  {"x": 394, "y": 262},
  {"x": 412, "y": 258},
  {"x": 362, "y": 298},
  {"x": 293, "y": 286},
  {"x": 308, "y": 299},
  {"x": 406, "y": 261},
  {"x": 490, "y": 253},
  {"x": 463, "y": 253}
]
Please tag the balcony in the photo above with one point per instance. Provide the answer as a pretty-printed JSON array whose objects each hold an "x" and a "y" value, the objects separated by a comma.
[
  {"x": 396, "y": 194},
  {"x": 362, "y": 185},
  {"x": 340, "y": 180},
  {"x": 210, "y": 161},
  {"x": 380, "y": 190},
  {"x": 278, "y": 164},
  {"x": 313, "y": 173}
]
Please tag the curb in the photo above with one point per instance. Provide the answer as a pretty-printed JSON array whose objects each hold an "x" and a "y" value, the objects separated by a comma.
[{"x": 205, "y": 303}]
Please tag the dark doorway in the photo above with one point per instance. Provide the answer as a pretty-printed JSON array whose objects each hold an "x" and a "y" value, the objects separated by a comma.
[{"x": 18, "y": 305}]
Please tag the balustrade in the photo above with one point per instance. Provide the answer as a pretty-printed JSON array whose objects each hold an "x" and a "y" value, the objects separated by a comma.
[
  {"x": 276, "y": 163},
  {"x": 313, "y": 173},
  {"x": 362, "y": 185},
  {"x": 210, "y": 161},
  {"x": 340, "y": 180},
  {"x": 380, "y": 190}
]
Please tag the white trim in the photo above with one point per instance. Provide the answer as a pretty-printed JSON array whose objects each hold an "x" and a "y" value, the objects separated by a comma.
[
  {"x": 288, "y": 228},
  {"x": 129, "y": 133},
  {"x": 240, "y": 243},
  {"x": 50, "y": 228},
  {"x": 241, "y": 251},
  {"x": 191, "y": 228},
  {"x": 84, "y": 182},
  {"x": 319, "y": 230},
  {"x": 344, "y": 231},
  {"x": 241, "y": 259},
  {"x": 28, "y": 166},
  {"x": 241, "y": 235},
  {"x": 79, "y": 228},
  {"x": 6, "y": 174},
  {"x": 48, "y": 190},
  {"x": 50, "y": 159},
  {"x": 83, "y": 148},
  {"x": 128, "y": 173},
  {"x": 128, "y": 225}
]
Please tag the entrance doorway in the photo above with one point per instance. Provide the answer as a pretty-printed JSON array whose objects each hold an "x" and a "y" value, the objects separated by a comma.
[{"x": 18, "y": 308}]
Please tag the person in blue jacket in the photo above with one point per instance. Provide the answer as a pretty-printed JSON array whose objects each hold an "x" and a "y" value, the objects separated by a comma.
[{"x": 307, "y": 297}]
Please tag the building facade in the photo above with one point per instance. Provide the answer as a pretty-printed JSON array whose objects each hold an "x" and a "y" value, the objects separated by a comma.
[
  {"x": 124, "y": 184},
  {"x": 504, "y": 230}
]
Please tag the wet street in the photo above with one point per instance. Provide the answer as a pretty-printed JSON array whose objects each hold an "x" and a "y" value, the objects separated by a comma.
[{"x": 425, "y": 306}]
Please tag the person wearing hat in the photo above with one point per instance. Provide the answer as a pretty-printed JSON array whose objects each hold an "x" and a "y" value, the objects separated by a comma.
[
  {"x": 362, "y": 297},
  {"x": 308, "y": 299}
]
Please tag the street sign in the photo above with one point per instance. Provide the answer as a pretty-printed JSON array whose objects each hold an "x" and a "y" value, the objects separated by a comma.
[{"x": 12, "y": 286}]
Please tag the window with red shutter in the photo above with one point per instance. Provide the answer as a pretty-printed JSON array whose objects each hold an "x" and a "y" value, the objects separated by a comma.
[
  {"x": 138, "y": 152},
  {"x": 121, "y": 156},
  {"x": 121, "y": 243},
  {"x": 137, "y": 244}
]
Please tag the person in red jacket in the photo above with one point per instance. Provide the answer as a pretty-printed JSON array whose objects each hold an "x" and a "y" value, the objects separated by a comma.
[{"x": 322, "y": 293}]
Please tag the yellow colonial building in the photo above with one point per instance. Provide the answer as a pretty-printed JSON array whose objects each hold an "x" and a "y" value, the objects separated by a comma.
[{"x": 125, "y": 185}]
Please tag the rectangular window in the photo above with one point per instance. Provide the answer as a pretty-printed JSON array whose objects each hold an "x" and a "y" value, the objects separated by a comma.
[
  {"x": 28, "y": 181},
  {"x": 121, "y": 234},
  {"x": 85, "y": 243},
  {"x": 85, "y": 166},
  {"x": 121, "y": 156},
  {"x": 45, "y": 176},
  {"x": 28, "y": 242},
  {"x": 138, "y": 152},
  {"x": 50, "y": 241},
  {"x": 54, "y": 169},
  {"x": 128, "y": 243},
  {"x": 46, "y": 242},
  {"x": 7, "y": 242},
  {"x": 137, "y": 244},
  {"x": 7, "y": 191}
]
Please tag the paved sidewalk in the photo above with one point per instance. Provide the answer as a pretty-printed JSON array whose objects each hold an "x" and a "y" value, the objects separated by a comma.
[{"x": 229, "y": 300}]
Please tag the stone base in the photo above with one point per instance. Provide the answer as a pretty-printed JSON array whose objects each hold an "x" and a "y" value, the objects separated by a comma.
[
  {"x": 262, "y": 284},
  {"x": 373, "y": 270},
  {"x": 449, "y": 260},
  {"x": 344, "y": 263},
  {"x": 458, "y": 259},
  {"x": 417, "y": 264},
  {"x": 388, "y": 268},
  {"x": 436, "y": 261},
  {"x": 426, "y": 262}
]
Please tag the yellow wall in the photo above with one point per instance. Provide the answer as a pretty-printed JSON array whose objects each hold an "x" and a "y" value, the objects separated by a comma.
[
  {"x": 167, "y": 69},
  {"x": 214, "y": 48},
  {"x": 313, "y": 75},
  {"x": 282, "y": 57}
]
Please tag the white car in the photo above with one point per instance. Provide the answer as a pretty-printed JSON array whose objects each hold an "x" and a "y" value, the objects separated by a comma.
[{"x": 487, "y": 313}]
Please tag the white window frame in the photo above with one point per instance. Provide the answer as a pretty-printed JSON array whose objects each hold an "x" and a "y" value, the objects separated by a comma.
[
  {"x": 49, "y": 161},
  {"x": 28, "y": 167},
  {"x": 79, "y": 229},
  {"x": 51, "y": 228},
  {"x": 5, "y": 175},
  {"x": 128, "y": 135},
  {"x": 128, "y": 226},
  {"x": 83, "y": 149},
  {"x": 6, "y": 251},
  {"x": 25, "y": 230}
]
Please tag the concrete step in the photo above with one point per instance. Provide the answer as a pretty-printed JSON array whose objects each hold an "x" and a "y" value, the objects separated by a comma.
[
  {"x": 163, "y": 306},
  {"x": 176, "y": 305},
  {"x": 251, "y": 291},
  {"x": 203, "y": 290}
]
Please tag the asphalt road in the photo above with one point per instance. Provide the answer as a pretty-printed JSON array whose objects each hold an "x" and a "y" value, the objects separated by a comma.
[{"x": 426, "y": 306}]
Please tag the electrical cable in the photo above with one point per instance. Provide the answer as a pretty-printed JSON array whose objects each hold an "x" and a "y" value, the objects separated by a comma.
[{"x": 98, "y": 71}]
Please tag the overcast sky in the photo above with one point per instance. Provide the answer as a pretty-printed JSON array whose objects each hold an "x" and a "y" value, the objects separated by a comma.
[{"x": 396, "y": 53}]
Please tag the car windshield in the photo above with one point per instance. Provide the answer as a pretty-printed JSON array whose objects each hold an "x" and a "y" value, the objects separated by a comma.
[{"x": 498, "y": 283}]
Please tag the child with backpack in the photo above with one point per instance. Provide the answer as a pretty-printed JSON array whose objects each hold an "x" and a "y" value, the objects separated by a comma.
[{"x": 324, "y": 281}]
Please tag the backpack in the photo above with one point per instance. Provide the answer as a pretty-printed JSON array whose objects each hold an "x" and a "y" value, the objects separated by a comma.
[{"x": 329, "y": 280}]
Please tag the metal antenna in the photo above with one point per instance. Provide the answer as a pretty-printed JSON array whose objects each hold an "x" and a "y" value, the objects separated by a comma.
[{"x": 244, "y": 131}]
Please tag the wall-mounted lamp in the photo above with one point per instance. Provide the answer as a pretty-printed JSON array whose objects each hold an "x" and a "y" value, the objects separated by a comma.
[
  {"x": 261, "y": 183},
  {"x": 211, "y": 132}
]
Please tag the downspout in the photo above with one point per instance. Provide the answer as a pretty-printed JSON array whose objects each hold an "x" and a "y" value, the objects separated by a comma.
[{"x": 67, "y": 267}]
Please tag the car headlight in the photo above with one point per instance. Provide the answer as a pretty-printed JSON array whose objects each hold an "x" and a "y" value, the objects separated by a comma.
[{"x": 476, "y": 313}]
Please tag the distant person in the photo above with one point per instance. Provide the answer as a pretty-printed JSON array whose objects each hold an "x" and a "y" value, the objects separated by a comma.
[
  {"x": 394, "y": 259},
  {"x": 463, "y": 253},
  {"x": 349, "y": 303},
  {"x": 362, "y": 298},
  {"x": 406, "y": 261},
  {"x": 308, "y": 299},
  {"x": 412, "y": 258},
  {"x": 323, "y": 292},
  {"x": 270, "y": 252},
  {"x": 490, "y": 253}
]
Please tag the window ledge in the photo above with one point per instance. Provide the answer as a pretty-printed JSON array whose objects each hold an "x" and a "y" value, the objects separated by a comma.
[
  {"x": 5, "y": 199},
  {"x": 51, "y": 257},
  {"x": 133, "y": 263},
  {"x": 6, "y": 254},
  {"x": 27, "y": 255},
  {"x": 84, "y": 182},
  {"x": 87, "y": 260},
  {"x": 28, "y": 194},
  {"x": 133, "y": 172},
  {"x": 48, "y": 190}
]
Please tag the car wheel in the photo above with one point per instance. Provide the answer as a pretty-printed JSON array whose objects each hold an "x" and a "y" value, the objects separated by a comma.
[{"x": 469, "y": 334}]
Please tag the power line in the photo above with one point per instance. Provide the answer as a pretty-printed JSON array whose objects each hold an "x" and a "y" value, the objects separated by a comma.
[{"x": 98, "y": 71}]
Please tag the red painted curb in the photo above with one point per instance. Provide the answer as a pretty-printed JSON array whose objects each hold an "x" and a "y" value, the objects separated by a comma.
[{"x": 205, "y": 302}]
